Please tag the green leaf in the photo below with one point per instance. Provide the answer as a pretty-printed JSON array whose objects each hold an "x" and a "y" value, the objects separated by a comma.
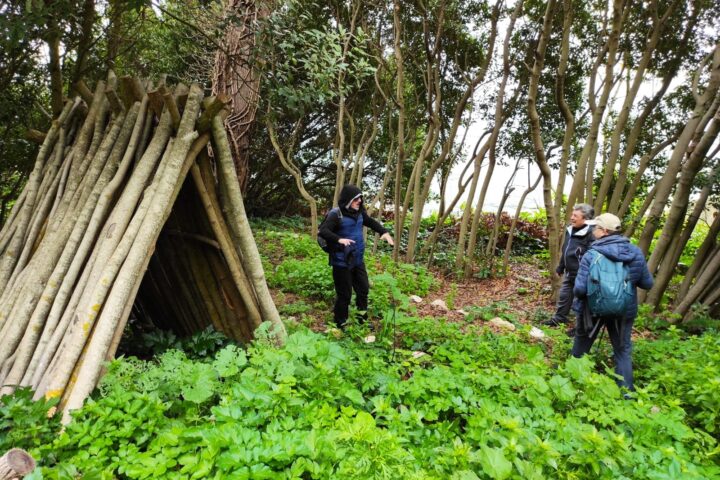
[
  {"x": 563, "y": 388},
  {"x": 229, "y": 360},
  {"x": 494, "y": 463},
  {"x": 200, "y": 384},
  {"x": 465, "y": 475},
  {"x": 354, "y": 396}
]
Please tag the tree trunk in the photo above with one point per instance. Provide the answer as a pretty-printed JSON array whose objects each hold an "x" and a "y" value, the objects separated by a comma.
[
  {"x": 619, "y": 10},
  {"x": 113, "y": 315},
  {"x": 234, "y": 75},
  {"x": 565, "y": 110},
  {"x": 659, "y": 24},
  {"x": 535, "y": 132},
  {"x": 694, "y": 127},
  {"x": 678, "y": 208},
  {"x": 286, "y": 159},
  {"x": 400, "y": 104},
  {"x": 511, "y": 232},
  {"x": 701, "y": 257},
  {"x": 703, "y": 281}
]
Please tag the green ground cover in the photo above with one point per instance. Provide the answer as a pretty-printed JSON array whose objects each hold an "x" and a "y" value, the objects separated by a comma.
[{"x": 428, "y": 399}]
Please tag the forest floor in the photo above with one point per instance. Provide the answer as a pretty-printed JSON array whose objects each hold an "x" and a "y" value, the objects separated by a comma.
[{"x": 524, "y": 293}]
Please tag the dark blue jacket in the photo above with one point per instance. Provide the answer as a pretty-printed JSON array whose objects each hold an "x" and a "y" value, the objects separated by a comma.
[
  {"x": 577, "y": 241},
  {"x": 347, "y": 223},
  {"x": 618, "y": 249}
]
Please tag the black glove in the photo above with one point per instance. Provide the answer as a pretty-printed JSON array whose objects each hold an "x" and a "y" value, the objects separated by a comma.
[{"x": 559, "y": 270}]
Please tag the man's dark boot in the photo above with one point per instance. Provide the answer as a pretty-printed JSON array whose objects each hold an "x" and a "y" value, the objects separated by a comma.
[{"x": 554, "y": 322}]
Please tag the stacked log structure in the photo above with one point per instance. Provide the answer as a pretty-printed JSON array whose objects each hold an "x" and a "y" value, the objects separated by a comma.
[{"x": 132, "y": 208}]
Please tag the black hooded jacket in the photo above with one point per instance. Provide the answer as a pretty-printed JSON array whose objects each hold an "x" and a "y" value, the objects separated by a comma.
[{"x": 332, "y": 223}]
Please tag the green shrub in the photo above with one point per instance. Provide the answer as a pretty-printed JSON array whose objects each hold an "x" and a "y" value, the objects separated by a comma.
[
  {"x": 686, "y": 369},
  {"x": 476, "y": 405},
  {"x": 310, "y": 278},
  {"x": 24, "y": 423}
]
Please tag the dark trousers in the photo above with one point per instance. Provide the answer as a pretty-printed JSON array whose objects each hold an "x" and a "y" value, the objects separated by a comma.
[
  {"x": 565, "y": 299},
  {"x": 346, "y": 280},
  {"x": 620, "y": 333}
]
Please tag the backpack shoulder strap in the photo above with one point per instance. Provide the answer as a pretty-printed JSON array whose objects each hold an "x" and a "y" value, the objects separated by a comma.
[{"x": 594, "y": 255}]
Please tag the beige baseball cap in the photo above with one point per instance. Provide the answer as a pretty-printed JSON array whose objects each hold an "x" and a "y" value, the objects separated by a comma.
[{"x": 606, "y": 221}]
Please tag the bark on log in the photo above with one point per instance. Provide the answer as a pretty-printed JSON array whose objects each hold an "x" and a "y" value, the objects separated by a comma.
[
  {"x": 15, "y": 464},
  {"x": 82, "y": 234},
  {"x": 126, "y": 284},
  {"x": 241, "y": 231}
]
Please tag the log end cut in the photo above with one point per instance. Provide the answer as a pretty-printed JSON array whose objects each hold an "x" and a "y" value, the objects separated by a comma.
[{"x": 16, "y": 463}]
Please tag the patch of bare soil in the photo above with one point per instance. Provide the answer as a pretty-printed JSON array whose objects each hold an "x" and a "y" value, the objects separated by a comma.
[{"x": 525, "y": 291}]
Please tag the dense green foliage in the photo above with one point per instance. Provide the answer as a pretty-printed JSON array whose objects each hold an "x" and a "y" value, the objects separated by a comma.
[
  {"x": 476, "y": 405},
  {"x": 303, "y": 269},
  {"x": 430, "y": 398}
]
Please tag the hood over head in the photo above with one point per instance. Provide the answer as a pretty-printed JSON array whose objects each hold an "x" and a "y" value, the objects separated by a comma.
[
  {"x": 615, "y": 247},
  {"x": 348, "y": 193}
]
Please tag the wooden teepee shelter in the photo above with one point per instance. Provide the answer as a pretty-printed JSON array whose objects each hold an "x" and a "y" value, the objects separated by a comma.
[{"x": 111, "y": 223}]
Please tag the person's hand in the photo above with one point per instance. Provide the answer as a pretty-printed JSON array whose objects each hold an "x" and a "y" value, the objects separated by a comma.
[
  {"x": 386, "y": 236},
  {"x": 559, "y": 270},
  {"x": 346, "y": 242}
]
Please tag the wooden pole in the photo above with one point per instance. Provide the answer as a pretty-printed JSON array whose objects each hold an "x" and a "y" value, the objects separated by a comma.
[{"x": 15, "y": 464}]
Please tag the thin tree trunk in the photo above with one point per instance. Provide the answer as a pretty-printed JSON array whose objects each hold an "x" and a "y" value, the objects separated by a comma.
[
  {"x": 513, "y": 225},
  {"x": 535, "y": 132},
  {"x": 286, "y": 159},
  {"x": 696, "y": 123},
  {"x": 659, "y": 24},
  {"x": 400, "y": 105},
  {"x": 618, "y": 14},
  {"x": 701, "y": 257},
  {"x": 705, "y": 279},
  {"x": 678, "y": 209},
  {"x": 126, "y": 283},
  {"x": 644, "y": 162},
  {"x": 567, "y": 113}
]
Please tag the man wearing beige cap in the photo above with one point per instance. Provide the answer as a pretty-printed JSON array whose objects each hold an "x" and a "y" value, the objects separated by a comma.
[{"x": 610, "y": 243}]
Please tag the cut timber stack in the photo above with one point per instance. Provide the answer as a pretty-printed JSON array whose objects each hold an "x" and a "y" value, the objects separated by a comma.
[{"x": 124, "y": 212}]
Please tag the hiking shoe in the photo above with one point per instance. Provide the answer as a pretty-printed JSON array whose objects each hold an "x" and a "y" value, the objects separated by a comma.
[{"x": 553, "y": 323}]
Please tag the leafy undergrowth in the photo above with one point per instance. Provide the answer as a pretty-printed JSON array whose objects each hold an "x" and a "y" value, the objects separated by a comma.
[
  {"x": 474, "y": 405},
  {"x": 431, "y": 398}
]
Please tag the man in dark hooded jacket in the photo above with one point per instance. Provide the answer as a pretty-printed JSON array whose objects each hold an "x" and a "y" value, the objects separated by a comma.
[
  {"x": 610, "y": 243},
  {"x": 343, "y": 230},
  {"x": 578, "y": 238}
]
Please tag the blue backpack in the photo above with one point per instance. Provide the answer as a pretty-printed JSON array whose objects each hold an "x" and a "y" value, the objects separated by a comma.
[{"x": 609, "y": 289}]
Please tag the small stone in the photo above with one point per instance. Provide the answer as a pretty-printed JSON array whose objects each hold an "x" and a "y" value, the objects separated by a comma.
[
  {"x": 418, "y": 354},
  {"x": 655, "y": 409},
  {"x": 462, "y": 312},
  {"x": 370, "y": 339},
  {"x": 415, "y": 299},
  {"x": 503, "y": 324},
  {"x": 440, "y": 305},
  {"x": 537, "y": 333}
]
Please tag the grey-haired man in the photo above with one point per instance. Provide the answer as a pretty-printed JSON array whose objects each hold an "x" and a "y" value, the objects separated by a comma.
[{"x": 578, "y": 238}]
